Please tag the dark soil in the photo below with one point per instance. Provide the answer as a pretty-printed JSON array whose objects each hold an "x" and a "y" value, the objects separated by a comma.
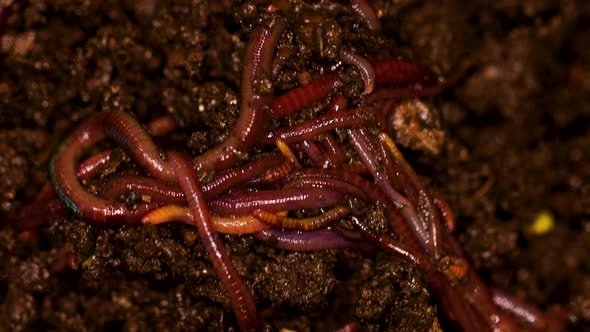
[{"x": 517, "y": 143}]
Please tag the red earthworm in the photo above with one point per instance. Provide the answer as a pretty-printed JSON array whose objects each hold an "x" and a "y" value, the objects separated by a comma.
[
  {"x": 156, "y": 189},
  {"x": 362, "y": 64},
  {"x": 362, "y": 145},
  {"x": 137, "y": 144},
  {"x": 275, "y": 174},
  {"x": 237, "y": 226},
  {"x": 241, "y": 204},
  {"x": 309, "y": 241},
  {"x": 438, "y": 283},
  {"x": 356, "y": 167},
  {"x": 516, "y": 307},
  {"x": 171, "y": 193},
  {"x": 313, "y": 152},
  {"x": 306, "y": 224},
  {"x": 253, "y": 108},
  {"x": 349, "y": 185},
  {"x": 239, "y": 295},
  {"x": 304, "y": 95},
  {"x": 337, "y": 103},
  {"x": 336, "y": 154},
  {"x": 161, "y": 126},
  {"x": 124, "y": 129},
  {"x": 232, "y": 177},
  {"x": 418, "y": 195},
  {"x": 445, "y": 211},
  {"x": 312, "y": 128},
  {"x": 91, "y": 166},
  {"x": 353, "y": 185},
  {"x": 397, "y": 71},
  {"x": 406, "y": 253},
  {"x": 366, "y": 13},
  {"x": 526, "y": 313}
]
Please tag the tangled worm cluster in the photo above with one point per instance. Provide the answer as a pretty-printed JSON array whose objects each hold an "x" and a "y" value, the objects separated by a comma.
[{"x": 255, "y": 192}]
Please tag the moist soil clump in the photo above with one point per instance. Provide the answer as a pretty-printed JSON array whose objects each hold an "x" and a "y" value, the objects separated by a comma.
[{"x": 514, "y": 155}]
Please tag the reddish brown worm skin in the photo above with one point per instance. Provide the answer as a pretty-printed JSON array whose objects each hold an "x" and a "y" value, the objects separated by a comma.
[
  {"x": 334, "y": 150},
  {"x": 156, "y": 189},
  {"x": 136, "y": 142},
  {"x": 353, "y": 185},
  {"x": 313, "y": 151},
  {"x": 366, "y": 13},
  {"x": 172, "y": 194},
  {"x": 363, "y": 65},
  {"x": 239, "y": 295},
  {"x": 362, "y": 145},
  {"x": 300, "y": 97},
  {"x": 161, "y": 126},
  {"x": 241, "y": 204},
  {"x": 254, "y": 107},
  {"x": 397, "y": 71},
  {"x": 319, "y": 125},
  {"x": 445, "y": 211},
  {"x": 397, "y": 168},
  {"x": 438, "y": 283},
  {"x": 235, "y": 226}
]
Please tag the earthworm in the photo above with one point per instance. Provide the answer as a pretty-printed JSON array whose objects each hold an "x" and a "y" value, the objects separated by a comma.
[
  {"x": 274, "y": 174},
  {"x": 136, "y": 142},
  {"x": 363, "y": 65},
  {"x": 237, "y": 226},
  {"x": 349, "y": 185},
  {"x": 239, "y": 295},
  {"x": 161, "y": 126},
  {"x": 313, "y": 152},
  {"x": 171, "y": 193},
  {"x": 445, "y": 211},
  {"x": 124, "y": 129},
  {"x": 319, "y": 125},
  {"x": 91, "y": 166},
  {"x": 230, "y": 178},
  {"x": 241, "y": 204},
  {"x": 334, "y": 150},
  {"x": 397, "y": 71},
  {"x": 156, "y": 189},
  {"x": 437, "y": 281},
  {"x": 309, "y": 241},
  {"x": 365, "y": 150},
  {"x": 366, "y": 13},
  {"x": 398, "y": 249},
  {"x": 520, "y": 310},
  {"x": 353, "y": 185},
  {"x": 420, "y": 198},
  {"x": 306, "y": 224},
  {"x": 253, "y": 108},
  {"x": 304, "y": 95}
]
